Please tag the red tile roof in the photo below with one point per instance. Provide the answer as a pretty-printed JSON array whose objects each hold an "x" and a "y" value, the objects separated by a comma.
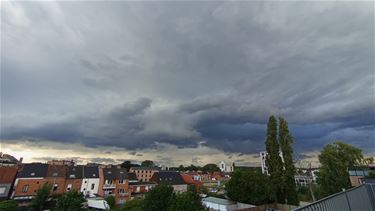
[
  {"x": 7, "y": 174},
  {"x": 189, "y": 180}
]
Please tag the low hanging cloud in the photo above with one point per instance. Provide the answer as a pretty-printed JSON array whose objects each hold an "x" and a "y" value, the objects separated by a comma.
[{"x": 188, "y": 74}]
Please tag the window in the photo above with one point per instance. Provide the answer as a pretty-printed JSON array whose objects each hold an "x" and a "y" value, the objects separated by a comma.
[
  {"x": 32, "y": 174},
  {"x": 37, "y": 182},
  {"x": 120, "y": 191},
  {"x": 138, "y": 189},
  {"x": 92, "y": 186},
  {"x": 55, "y": 186},
  {"x": 2, "y": 190},
  {"x": 25, "y": 188},
  {"x": 69, "y": 187},
  {"x": 54, "y": 174},
  {"x": 121, "y": 181}
]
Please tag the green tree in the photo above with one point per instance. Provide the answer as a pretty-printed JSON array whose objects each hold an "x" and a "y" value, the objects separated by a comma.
[
  {"x": 111, "y": 200},
  {"x": 187, "y": 201},
  {"x": 148, "y": 163},
  {"x": 133, "y": 205},
  {"x": 251, "y": 187},
  {"x": 335, "y": 160},
  {"x": 128, "y": 164},
  {"x": 273, "y": 160},
  {"x": 211, "y": 167},
  {"x": 158, "y": 198},
  {"x": 70, "y": 201},
  {"x": 8, "y": 205},
  {"x": 40, "y": 200},
  {"x": 286, "y": 141}
]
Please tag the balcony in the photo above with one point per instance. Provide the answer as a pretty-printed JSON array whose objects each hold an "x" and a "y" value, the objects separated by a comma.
[{"x": 109, "y": 186}]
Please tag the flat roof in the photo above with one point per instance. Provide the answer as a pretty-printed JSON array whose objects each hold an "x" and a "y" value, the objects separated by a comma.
[{"x": 218, "y": 200}]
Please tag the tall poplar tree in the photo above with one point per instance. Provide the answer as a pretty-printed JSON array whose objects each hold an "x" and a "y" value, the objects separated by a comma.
[
  {"x": 286, "y": 141},
  {"x": 273, "y": 160}
]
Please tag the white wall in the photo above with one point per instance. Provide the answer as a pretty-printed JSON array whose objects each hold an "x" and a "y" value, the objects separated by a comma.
[{"x": 86, "y": 186}]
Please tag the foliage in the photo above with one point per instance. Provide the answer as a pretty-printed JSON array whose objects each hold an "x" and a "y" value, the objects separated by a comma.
[
  {"x": 158, "y": 198},
  {"x": 111, "y": 200},
  {"x": 133, "y": 205},
  {"x": 70, "y": 201},
  {"x": 211, "y": 167},
  {"x": 335, "y": 160},
  {"x": 371, "y": 174},
  {"x": 128, "y": 164},
  {"x": 273, "y": 160},
  {"x": 286, "y": 141},
  {"x": 8, "y": 205},
  {"x": 187, "y": 201},
  {"x": 40, "y": 200},
  {"x": 148, "y": 163},
  {"x": 255, "y": 184}
]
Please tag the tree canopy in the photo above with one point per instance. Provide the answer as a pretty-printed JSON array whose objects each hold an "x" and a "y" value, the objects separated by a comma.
[
  {"x": 40, "y": 200},
  {"x": 8, "y": 205},
  {"x": 148, "y": 163},
  {"x": 70, "y": 201},
  {"x": 335, "y": 160},
  {"x": 158, "y": 198},
  {"x": 256, "y": 185}
]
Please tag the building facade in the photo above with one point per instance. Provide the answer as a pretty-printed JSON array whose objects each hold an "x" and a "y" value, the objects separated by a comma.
[
  {"x": 144, "y": 174},
  {"x": 224, "y": 167},
  {"x": 7, "y": 178}
]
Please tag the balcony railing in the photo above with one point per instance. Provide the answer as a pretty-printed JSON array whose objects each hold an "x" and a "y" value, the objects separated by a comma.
[{"x": 109, "y": 186}]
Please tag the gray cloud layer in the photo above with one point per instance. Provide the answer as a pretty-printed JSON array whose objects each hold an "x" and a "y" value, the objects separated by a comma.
[{"x": 134, "y": 74}]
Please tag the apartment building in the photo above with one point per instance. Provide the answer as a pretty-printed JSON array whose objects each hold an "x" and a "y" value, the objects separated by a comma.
[
  {"x": 138, "y": 189},
  {"x": 30, "y": 178},
  {"x": 114, "y": 181},
  {"x": 7, "y": 178},
  {"x": 56, "y": 177},
  {"x": 172, "y": 178},
  {"x": 84, "y": 179},
  {"x": 144, "y": 174}
]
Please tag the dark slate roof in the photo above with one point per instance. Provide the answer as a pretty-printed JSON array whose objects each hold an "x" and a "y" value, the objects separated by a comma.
[
  {"x": 115, "y": 173},
  {"x": 56, "y": 171},
  {"x": 168, "y": 177},
  {"x": 76, "y": 172},
  {"x": 32, "y": 170},
  {"x": 145, "y": 168}
]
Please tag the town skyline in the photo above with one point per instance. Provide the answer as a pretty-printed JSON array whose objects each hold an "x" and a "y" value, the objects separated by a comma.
[{"x": 183, "y": 82}]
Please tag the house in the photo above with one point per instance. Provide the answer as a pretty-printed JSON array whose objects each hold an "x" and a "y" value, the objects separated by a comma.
[
  {"x": 56, "y": 177},
  {"x": 9, "y": 160},
  {"x": 224, "y": 167},
  {"x": 219, "y": 204},
  {"x": 29, "y": 179},
  {"x": 7, "y": 178},
  {"x": 90, "y": 181},
  {"x": 172, "y": 178},
  {"x": 356, "y": 176},
  {"x": 84, "y": 179},
  {"x": 138, "y": 189},
  {"x": 114, "y": 181},
  {"x": 188, "y": 179},
  {"x": 144, "y": 174}
]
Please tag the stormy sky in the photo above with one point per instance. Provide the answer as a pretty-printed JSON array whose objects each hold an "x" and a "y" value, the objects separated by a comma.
[{"x": 196, "y": 76}]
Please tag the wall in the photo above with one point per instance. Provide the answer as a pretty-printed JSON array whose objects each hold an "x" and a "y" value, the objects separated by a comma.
[{"x": 86, "y": 186}]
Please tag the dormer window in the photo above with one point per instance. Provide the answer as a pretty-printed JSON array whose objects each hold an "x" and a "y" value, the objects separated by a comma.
[
  {"x": 32, "y": 174},
  {"x": 72, "y": 176},
  {"x": 54, "y": 174}
]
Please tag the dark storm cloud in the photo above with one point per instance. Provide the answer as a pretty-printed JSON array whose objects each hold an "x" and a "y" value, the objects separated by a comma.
[{"x": 184, "y": 73}]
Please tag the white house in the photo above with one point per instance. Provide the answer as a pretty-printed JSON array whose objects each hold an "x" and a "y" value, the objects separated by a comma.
[
  {"x": 219, "y": 204},
  {"x": 224, "y": 167},
  {"x": 90, "y": 181}
]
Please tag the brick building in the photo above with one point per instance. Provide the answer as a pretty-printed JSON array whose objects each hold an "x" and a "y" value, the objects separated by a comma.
[
  {"x": 7, "y": 178},
  {"x": 144, "y": 174},
  {"x": 114, "y": 181},
  {"x": 30, "y": 178}
]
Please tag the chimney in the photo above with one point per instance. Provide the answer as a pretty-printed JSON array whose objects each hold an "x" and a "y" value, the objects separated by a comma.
[{"x": 21, "y": 159}]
